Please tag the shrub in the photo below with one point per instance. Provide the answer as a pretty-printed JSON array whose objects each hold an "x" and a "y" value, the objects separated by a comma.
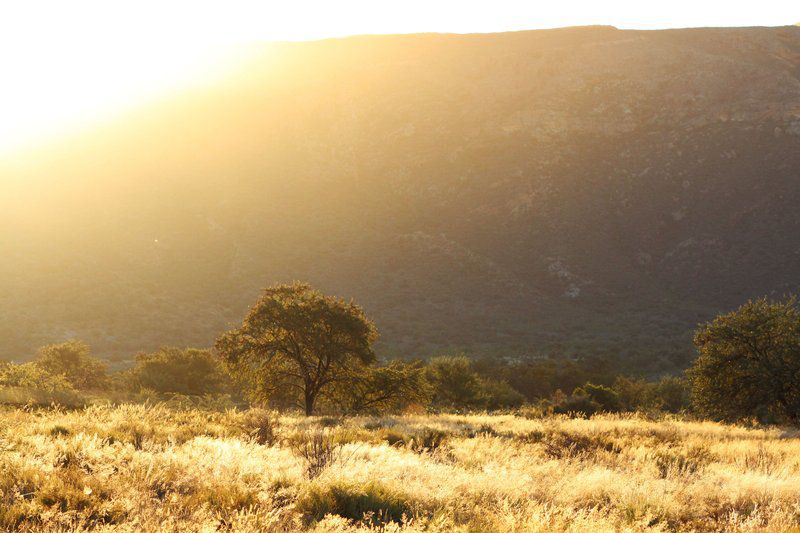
[
  {"x": 74, "y": 361},
  {"x": 606, "y": 398},
  {"x": 670, "y": 394},
  {"x": 455, "y": 384},
  {"x": 577, "y": 405},
  {"x": 682, "y": 461},
  {"x": 261, "y": 426},
  {"x": 187, "y": 371},
  {"x": 560, "y": 444},
  {"x": 390, "y": 388},
  {"x": 33, "y": 376},
  {"x": 394, "y": 437},
  {"x": 30, "y": 384},
  {"x": 500, "y": 395},
  {"x": 371, "y": 501},
  {"x": 428, "y": 440},
  {"x": 318, "y": 449}
]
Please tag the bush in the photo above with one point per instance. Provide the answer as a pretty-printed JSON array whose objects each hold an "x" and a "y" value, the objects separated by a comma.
[
  {"x": 560, "y": 444},
  {"x": 30, "y": 384},
  {"x": 577, "y": 405},
  {"x": 454, "y": 382},
  {"x": 670, "y": 394},
  {"x": 606, "y": 398},
  {"x": 33, "y": 376},
  {"x": 393, "y": 387},
  {"x": 428, "y": 440},
  {"x": 682, "y": 462},
  {"x": 456, "y": 385},
  {"x": 500, "y": 395},
  {"x": 318, "y": 449},
  {"x": 261, "y": 426},
  {"x": 74, "y": 361},
  {"x": 187, "y": 371},
  {"x": 372, "y": 501}
]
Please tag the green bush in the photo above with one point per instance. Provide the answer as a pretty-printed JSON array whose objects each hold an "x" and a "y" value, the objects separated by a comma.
[
  {"x": 30, "y": 384},
  {"x": 74, "y": 361},
  {"x": 372, "y": 501},
  {"x": 455, "y": 384},
  {"x": 577, "y": 405},
  {"x": 500, "y": 395},
  {"x": 187, "y": 371},
  {"x": 606, "y": 398}
]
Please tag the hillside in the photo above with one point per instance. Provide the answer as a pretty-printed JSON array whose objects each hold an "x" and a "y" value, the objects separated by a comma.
[{"x": 558, "y": 192}]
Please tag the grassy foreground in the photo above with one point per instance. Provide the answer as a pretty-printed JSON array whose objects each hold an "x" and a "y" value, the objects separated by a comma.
[{"x": 155, "y": 468}]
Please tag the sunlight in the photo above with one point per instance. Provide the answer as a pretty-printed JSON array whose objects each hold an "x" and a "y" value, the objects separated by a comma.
[
  {"x": 68, "y": 64},
  {"x": 58, "y": 86}
]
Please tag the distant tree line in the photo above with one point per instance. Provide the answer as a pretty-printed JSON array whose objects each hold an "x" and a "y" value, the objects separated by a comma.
[{"x": 298, "y": 348}]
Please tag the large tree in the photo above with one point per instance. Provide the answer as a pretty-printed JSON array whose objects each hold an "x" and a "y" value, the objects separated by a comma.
[
  {"x": 297, "y": 344},
  {"x": 749, "y": 363}
]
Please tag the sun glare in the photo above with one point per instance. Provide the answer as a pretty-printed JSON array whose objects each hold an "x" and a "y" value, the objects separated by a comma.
[
  {"x": 52, "y": 86},
  {"x": 68, "y": 64}
]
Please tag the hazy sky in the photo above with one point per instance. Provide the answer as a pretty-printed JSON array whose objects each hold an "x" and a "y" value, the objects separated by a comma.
[
  {"x": 68, "y": 62},
  {"x": 308, "y": 19}
]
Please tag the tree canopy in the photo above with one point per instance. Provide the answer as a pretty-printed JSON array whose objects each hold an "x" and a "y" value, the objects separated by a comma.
[
  {"x": 73, "y": 360},
  {"x": 297, "y": 344},
  {"x": 749, "y": 363}
]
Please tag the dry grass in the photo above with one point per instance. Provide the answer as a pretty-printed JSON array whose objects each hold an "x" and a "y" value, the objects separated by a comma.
[{"x": 155, "y": 468}]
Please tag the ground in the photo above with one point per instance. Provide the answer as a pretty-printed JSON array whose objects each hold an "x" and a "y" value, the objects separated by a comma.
[{"x": 152, "y": 468}]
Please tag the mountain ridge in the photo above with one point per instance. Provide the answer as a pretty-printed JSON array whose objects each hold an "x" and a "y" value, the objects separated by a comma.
[{"x": 558, "y": 192}]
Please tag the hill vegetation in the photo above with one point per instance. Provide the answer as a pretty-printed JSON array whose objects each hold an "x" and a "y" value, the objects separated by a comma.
[{"x": 575, "y": 193}]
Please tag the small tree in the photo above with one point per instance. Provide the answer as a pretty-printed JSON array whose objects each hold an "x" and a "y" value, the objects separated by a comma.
[
  {"x": 606, "y": 398},
  {"x": 74, "y": 361},
  {"x": 297, "y": 343},
  {"x": 749, "y": 363},
  {"x": 455, "y": 384},
  {"x": 183, "y": 371},
  {"x": 670, "y": 394},
  {"x": 500, "y": 395}
]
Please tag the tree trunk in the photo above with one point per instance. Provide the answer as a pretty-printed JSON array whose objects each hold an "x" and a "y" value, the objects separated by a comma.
[{"x": 309, "y": 403}]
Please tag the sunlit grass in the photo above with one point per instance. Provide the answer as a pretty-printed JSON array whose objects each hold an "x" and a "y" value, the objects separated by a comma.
[{"x": 152, "y": 467}]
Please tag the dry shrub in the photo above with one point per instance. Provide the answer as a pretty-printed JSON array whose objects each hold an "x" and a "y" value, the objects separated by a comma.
[
  {"x": 318, "y": 449},
  {"x": 682, "y": 461},
  {"x": 760, "y": 460},
  {"x": 424, "y": 440},
  {"x": 133, "y": 432},
  {"x": 261, "y": 426},
  {"x": 393, "y": 437},
  {"x": 428, "y": 440},
  {"x": 561, "y": 444},
  {"x": 484, "y": 430}
]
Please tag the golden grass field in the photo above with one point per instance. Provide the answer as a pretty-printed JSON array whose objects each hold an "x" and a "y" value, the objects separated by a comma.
[{"x": 155, "y": 468}]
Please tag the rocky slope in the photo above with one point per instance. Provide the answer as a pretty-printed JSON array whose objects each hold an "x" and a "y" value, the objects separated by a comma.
[{"x": 562, "y": 192}]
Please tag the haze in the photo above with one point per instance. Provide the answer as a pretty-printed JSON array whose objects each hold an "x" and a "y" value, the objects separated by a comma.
[{"x": 69, "y": 65}]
